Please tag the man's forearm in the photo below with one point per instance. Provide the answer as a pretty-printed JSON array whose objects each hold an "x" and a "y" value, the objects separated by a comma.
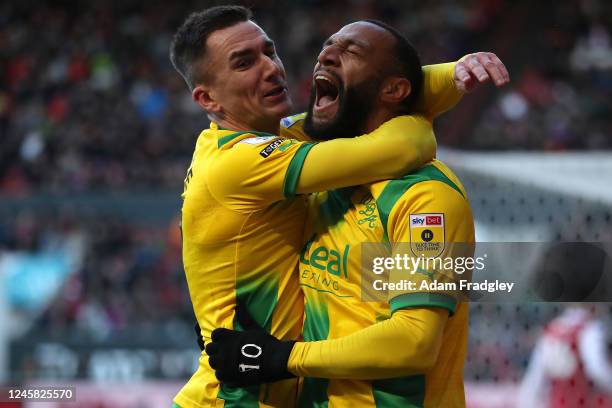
[
  {"x": 439, "y": 93},
  {"x": 406, "y": 344},
  {"x": 398, "y": 146}
]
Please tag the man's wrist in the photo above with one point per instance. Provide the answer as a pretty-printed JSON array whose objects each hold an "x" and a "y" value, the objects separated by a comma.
[{"x": 282, "y": 356}]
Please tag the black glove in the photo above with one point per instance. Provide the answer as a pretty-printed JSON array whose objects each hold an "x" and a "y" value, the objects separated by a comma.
[
  {"x": 249, "y": 357},
  {"x": 199, "y": 334}
]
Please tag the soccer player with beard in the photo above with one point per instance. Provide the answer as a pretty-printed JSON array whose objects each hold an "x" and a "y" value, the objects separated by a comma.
[
  {"x": 244, "y": 205},
  {"x": 408, "y": 350}
]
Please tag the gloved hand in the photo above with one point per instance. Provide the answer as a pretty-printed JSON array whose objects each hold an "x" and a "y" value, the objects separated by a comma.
[{"x": 249, "y": 357}]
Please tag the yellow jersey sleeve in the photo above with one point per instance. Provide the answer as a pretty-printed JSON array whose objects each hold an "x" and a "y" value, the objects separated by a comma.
[
  {"x": 439, "y": 92},
  {"x": 413, "y": 336},
  {"x": 251, "y": 172},
  {"x": 401, "y": 144},
  {"x": 430, "y": 222}
]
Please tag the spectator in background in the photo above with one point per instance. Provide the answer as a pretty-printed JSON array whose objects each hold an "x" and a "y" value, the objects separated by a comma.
[{"x": 571, "y": 365}]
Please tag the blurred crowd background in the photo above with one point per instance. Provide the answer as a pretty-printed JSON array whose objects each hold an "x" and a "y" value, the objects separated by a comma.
[
  {"x": 94, "y": 122},
  {"x": 89, "y": 99}
]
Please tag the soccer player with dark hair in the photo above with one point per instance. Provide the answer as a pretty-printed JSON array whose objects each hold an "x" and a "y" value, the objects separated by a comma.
[
  {"x": 244, "y": 199},
  {"x": 409, "y": 349}
]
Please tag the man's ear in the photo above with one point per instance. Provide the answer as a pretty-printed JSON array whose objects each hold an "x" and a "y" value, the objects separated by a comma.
[
  {"x": 205, "y": 97},
  {"x": 395, "y": 89}
]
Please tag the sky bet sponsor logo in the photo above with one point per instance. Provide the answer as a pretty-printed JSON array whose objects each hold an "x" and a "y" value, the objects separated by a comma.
[
  {"x": 433, "y": 220},
  {"x": 426, "y": 220},
  {"x": 266, "y": 151},
  {"x": 427, "y": 234}
]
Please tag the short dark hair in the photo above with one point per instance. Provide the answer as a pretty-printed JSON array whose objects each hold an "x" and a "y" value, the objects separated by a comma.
[
  {"x": 406, "y": 61},
  {"x": 188, "y": 45}
]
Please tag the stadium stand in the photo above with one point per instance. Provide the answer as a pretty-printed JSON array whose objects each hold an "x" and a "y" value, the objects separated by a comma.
[{"x": 89, "y": 100}]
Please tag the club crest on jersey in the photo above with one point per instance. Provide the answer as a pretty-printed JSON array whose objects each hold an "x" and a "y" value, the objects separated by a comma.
[{"x": 427, "y": 234}]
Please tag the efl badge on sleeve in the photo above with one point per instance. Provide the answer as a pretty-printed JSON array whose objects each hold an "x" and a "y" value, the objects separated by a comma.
[
  {"x": 292, "y": 120},
  {"x": 427, "y": 234},
  {"x": 257, "y": 140}
]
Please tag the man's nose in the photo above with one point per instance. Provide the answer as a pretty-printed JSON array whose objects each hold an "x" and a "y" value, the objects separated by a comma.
[
  {"x": 329, "y": 56},
  {"x": 273, "y": 68}
]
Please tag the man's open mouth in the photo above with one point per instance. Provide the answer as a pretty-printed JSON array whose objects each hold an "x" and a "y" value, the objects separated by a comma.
[
  {"x": 276, "y": 91},
  {"x": 327, "y": 93}
]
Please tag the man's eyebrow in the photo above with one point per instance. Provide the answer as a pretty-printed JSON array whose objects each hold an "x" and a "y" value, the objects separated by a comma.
[
  {"x": 354, "y": 41},
  {"x": 240, "y": 53},
  {"x": 345, "y": 42},
  {"x": 248, "y": 51}
]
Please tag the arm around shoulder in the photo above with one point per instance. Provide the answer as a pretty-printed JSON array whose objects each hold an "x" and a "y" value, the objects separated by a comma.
[{"x": 400, "y": 145}]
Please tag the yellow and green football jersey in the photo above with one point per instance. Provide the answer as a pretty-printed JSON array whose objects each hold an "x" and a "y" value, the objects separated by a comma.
[
  {"x": 241, "y": 245},
  {"x": 243, "y": 223},
  {"x": 331, "y": 278}
]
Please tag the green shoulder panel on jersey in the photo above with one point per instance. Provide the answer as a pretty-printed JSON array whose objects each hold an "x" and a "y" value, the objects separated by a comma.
[
  {"x": 228, "y": 138},
  {"x": 406, "y": 392},
  {"x": 423, "y": 299},
  {"x": 295, "y": 168},
  {"x": 396, "y": 188}
]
